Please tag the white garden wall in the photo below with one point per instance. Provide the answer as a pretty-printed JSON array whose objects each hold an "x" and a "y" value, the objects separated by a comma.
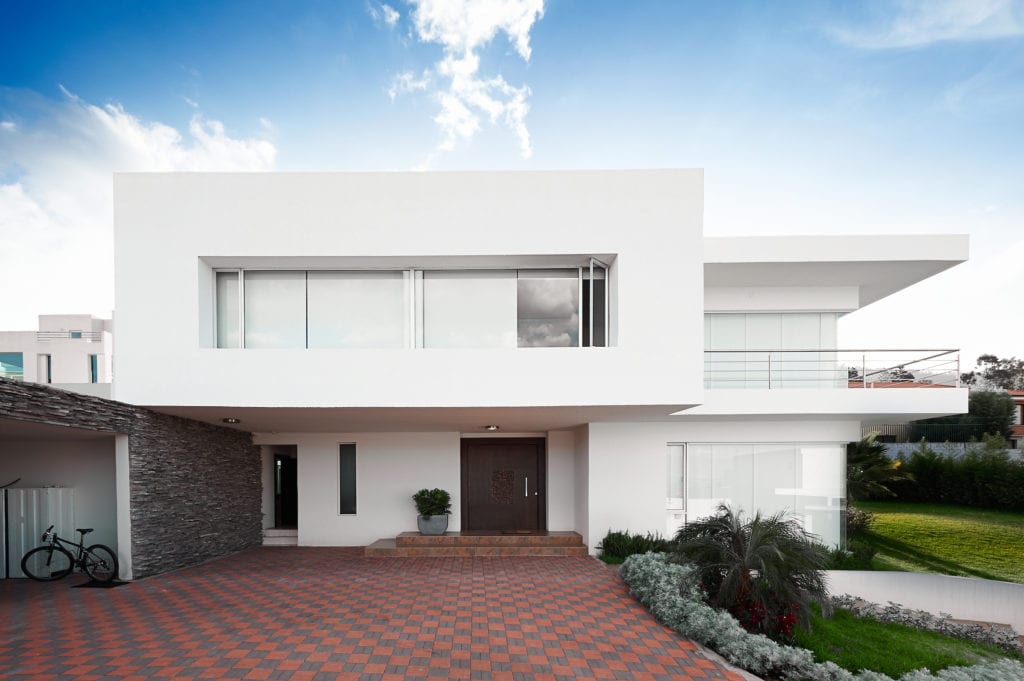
[{"x": 965, "y": 598}]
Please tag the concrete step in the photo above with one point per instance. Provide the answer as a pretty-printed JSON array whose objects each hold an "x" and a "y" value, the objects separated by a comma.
[
  {"x": 279, "y": 537},
  {"x": 394, "y": 548},
  {"x": 550, "y": 539}
]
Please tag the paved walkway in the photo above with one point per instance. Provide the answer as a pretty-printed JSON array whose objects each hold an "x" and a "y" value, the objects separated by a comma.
[{"x": 320, "y": 613}]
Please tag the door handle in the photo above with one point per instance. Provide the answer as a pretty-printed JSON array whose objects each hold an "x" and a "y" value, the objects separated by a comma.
[{"x": 526, "y": 487}]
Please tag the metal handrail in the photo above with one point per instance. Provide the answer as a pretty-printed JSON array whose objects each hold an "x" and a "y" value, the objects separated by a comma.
[
  {"x": 90, "y": 336},
  {"x": 831, "y": 367}
]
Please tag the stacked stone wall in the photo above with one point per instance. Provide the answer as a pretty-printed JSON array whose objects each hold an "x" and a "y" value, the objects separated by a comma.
[{"x": 195, "y": 488}]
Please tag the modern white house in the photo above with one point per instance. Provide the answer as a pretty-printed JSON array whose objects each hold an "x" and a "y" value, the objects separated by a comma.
[
  {"x": 68, "y": 351},
  {"x": 563, "y": 351}
]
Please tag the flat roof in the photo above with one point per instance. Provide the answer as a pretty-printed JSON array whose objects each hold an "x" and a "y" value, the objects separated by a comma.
[{"x": 878, "y": 265}]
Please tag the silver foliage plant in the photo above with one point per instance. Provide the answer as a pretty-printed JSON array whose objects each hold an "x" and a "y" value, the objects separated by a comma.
[
  {"x": 996, "y": 634},
  {"x": 672, "y": 594}
]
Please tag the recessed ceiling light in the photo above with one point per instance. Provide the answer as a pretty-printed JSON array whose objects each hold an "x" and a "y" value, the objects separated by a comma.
[
  {"x": 231, "y": 420},
  {"x": 491, "y": 428}
]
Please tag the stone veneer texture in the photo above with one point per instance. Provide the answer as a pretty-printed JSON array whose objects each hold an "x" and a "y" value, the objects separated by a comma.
[{"x": 195, "y": 488}]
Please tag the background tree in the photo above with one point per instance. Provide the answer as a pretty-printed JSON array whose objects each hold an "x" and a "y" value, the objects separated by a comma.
[
  {"x": 989, "y": 412},
  {"x": 869, "y": 471},
  {"x": 993, "y": 372}
]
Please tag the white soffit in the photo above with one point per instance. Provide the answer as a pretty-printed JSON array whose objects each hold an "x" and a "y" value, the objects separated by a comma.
[
  {"x": 878, "y": 265},
  {"x": 417, "y": 419}
]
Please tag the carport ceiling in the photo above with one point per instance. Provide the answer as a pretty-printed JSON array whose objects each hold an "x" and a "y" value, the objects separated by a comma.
[{"x": 11, "y": 429}]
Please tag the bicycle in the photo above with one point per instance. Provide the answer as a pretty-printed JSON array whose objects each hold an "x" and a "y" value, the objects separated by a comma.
[{"x": 53, "y": 561}]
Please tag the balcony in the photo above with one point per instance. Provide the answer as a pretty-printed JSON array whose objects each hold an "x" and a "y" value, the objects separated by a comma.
[
  {"x": 87, "y": 336},
  {"x": 831, "y": 369}
]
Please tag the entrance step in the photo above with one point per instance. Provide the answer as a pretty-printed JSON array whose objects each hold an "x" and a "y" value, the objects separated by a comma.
[
  {"x": 276, "y": 537},
  {"x": 413, "y": 544}
]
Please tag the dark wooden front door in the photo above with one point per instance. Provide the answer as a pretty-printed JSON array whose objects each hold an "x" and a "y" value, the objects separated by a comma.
[{"x": 503, "y": 485}]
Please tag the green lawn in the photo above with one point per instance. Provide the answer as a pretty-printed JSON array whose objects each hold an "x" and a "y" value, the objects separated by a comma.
[
  {"x": 951, "y": 540},
  {"x": 856, "y": 643}
]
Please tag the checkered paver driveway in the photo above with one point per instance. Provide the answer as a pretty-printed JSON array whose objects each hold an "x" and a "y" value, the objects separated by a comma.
[{"x": 321, "y": 613}]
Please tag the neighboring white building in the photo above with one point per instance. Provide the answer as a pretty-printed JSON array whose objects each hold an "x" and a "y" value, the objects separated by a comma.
[
  {"x": 370, "y": 328},
  {"x": 68, "y": 351}
]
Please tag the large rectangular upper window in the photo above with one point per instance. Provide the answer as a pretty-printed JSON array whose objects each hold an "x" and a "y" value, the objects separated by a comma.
[{"x": 468, "y": 308}]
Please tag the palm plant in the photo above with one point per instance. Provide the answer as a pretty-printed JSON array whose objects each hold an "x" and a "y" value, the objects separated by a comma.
[
  {"x": 869, "y": 471},
  {"x": 766, "y": 571}
]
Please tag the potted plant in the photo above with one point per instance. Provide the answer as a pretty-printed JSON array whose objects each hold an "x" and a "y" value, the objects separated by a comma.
[{"x": 433, "y": 506}]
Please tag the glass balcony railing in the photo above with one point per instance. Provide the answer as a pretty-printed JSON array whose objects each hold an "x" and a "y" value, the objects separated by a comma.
[{"x": 834, "y": 369}]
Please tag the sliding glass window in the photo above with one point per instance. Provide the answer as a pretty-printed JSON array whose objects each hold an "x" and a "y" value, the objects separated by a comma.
[
  {"x": 275, "y": 309},
  {"x": 548, "y": 308},
  {"x": 595, "y": 304},
  {"x": 227, "y": 310},
  {"x": 356, "y": 309},
  {"x": 469, "y": 309}
]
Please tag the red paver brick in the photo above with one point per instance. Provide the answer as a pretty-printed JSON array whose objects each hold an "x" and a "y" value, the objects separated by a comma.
[{"x": 294, "y": 613}]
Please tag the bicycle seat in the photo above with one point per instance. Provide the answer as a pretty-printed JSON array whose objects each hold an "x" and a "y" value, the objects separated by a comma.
[{"x": 85, "y": 531}]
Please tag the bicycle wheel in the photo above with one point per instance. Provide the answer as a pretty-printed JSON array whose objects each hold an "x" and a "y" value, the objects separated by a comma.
[
  {"x": 100, "y": 563},
  {"x": 47, "y": 563}
]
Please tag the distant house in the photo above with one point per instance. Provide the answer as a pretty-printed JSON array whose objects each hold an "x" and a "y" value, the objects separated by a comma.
[
  {"x": 68, "y": 351},
  {"x": 1017, "y": 429}
]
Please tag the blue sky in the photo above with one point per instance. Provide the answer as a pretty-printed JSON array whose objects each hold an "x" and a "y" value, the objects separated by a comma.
[{"x": 881, "y": 117}]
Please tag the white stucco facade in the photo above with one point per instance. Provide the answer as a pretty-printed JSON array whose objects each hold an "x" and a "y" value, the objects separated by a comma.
[{"x": 611, "y": 417}]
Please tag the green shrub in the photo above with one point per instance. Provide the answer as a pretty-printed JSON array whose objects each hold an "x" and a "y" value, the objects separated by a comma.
[
  {"x": 618, "y": 546},
  {"x": 433, "y": 502},
  {"x": 766, "y": 570},
  {"x": 856, "y": 556},
  {"x": 672, "y": 594},
  {"x": 858, "y": 521},
  {"x": 870, "y": 473},
  {"x": 984, "y": 476}
]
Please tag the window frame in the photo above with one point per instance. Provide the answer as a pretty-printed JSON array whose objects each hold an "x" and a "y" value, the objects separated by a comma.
[
  {"x": 413, "y": 277},
  {"x": 355, "y": 481}
]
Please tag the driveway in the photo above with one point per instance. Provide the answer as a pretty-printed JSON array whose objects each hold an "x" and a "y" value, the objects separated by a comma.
[{"x": 327, "y": 613}]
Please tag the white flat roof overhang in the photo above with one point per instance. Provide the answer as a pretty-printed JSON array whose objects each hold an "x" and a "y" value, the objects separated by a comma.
[{"x": 878, "y": 265}]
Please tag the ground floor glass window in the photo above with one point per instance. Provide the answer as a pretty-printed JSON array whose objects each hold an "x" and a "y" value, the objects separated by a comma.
[{"x": 805, "y": 480}]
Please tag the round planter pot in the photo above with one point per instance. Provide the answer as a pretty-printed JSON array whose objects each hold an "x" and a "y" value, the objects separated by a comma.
[{"x": 432, "y": 524}]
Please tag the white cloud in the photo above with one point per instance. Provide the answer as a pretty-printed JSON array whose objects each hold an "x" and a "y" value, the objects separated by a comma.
[
  {"x": 406, "y": 82},
  {"x": 9, "y": 126},
  {"x": 916, "y": 23},
  {"x": 56, "y": 212},
  {"x": 383, "y": 14},
  {"x": 463, "y": 29}
]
